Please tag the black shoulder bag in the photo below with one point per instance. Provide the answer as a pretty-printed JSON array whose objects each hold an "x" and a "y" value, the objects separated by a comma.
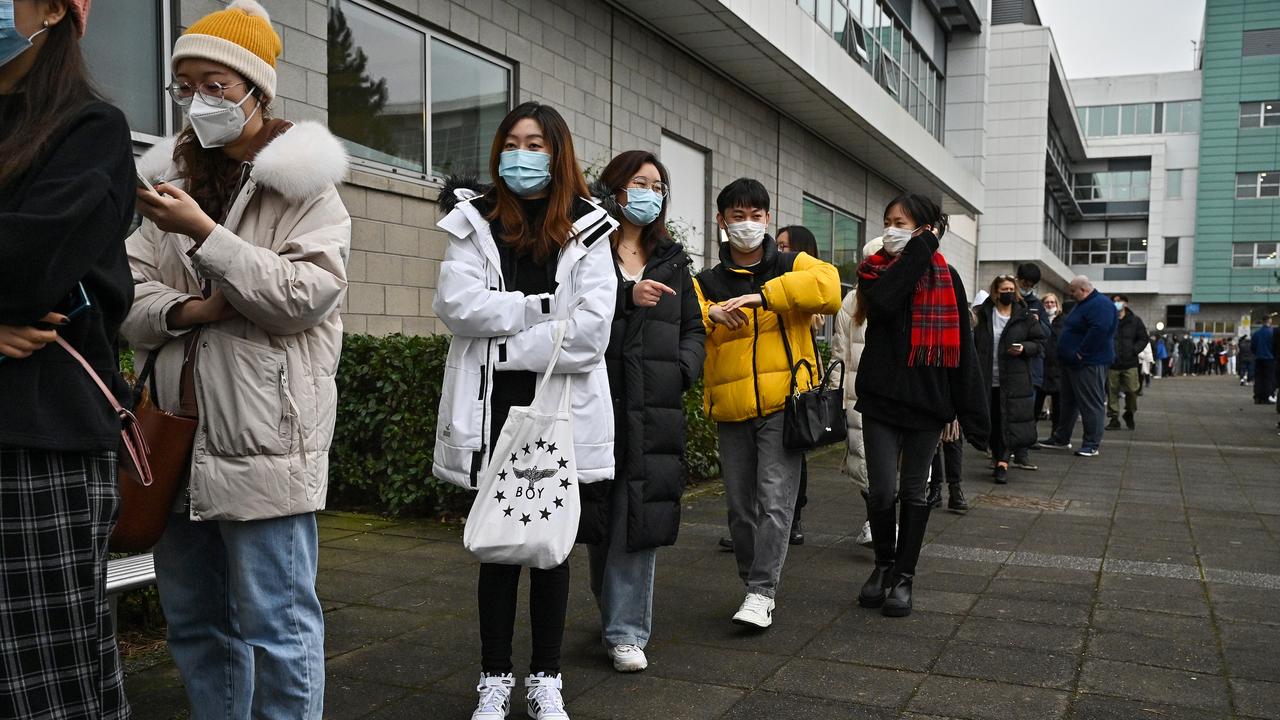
[{"x": 815, "y": 417}]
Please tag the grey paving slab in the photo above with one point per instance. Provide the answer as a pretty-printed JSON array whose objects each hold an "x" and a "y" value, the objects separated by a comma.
[{"x": 1144, "y": 583}]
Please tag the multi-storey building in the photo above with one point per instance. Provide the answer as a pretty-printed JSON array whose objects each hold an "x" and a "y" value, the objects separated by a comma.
[{"x": 836, "y": 105}]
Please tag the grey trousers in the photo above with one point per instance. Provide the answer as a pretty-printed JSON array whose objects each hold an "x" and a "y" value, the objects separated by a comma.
[{"x": 761, "y": 481}]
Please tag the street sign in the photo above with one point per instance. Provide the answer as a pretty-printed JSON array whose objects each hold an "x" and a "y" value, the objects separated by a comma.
[{"x": 1193, "y": 308}]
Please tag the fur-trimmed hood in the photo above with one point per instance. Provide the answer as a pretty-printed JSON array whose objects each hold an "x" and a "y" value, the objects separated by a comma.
[{"x": 299, "y": 164}]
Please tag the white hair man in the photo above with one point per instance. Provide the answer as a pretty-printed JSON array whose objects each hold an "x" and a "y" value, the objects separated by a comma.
[{"x": 1086, "y": 350}]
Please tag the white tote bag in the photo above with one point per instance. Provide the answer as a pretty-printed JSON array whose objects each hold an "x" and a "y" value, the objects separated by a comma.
[{"x": 527, "y": 506}]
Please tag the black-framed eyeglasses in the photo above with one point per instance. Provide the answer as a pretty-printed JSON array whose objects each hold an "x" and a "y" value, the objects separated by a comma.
[
  {"x": 643, "y": 183},
  {"x": 214, "y": 93}
]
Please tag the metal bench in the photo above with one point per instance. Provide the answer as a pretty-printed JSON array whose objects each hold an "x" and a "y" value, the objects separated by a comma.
[{"x": 129, "y": 573}]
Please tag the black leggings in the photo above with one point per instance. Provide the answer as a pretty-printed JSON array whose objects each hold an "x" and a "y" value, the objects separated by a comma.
[
  {"x": 548, "y": 605},
  {"x": 995, "y": 441}
]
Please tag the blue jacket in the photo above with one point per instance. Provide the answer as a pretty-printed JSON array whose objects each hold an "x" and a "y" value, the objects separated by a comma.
[
  {"x": 1262, "y": 343},
  {"x": 1090, "y": 332},
  {"x": 1037, "y": 363}
]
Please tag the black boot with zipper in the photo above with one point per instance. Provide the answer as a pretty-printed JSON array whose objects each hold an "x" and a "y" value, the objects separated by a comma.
[
  {"x": 883, "y": 541},
  {"x": 911, "y": 526}
]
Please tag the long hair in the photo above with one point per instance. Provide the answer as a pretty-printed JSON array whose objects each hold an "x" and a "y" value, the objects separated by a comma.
[
  {"x": 209, "y": 175},
  {"x": 994, "y": 292},
  {"x": 55, "y": 88},
  {"x": 615, "y": 177},
  {"x": 567, "y": 184}
]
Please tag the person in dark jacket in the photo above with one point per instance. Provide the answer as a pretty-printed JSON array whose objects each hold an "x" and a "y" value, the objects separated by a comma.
[
  {"x": 66, "y": 202},
  {"x": 917, "y": 374},
  {"x": 1028, "y": 277},
  {"x": 1244, "y": 364},
  {"x": 1187, "y": 350},
  {"x": 655, "y": 353},
  {"x": 1125, "y": 373},
  {"x": 1007, "y": 338},
  {"x": 1086, "y": 348},
  {"x": 1052, "y": 370}
]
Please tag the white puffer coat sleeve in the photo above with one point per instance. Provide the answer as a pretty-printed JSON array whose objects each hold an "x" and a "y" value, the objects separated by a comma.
[{"x": 847, "y": 346}]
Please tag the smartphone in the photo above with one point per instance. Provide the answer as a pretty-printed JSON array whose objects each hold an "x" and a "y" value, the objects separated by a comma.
[
  {"x": 75, "y": 303},
  {"x": 143, "y": 182},
  {"x": 1016, "y": 345}
]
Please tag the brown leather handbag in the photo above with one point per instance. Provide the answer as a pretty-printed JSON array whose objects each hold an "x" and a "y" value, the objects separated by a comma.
[{"x": 155, "y": 451}]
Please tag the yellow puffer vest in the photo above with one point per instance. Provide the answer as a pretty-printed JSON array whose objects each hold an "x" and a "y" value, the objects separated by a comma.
[{"x": 746, "y": 374}]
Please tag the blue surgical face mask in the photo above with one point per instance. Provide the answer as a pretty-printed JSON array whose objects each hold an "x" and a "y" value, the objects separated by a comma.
[
  {"x": 524, "y": 171},
  {"x": 12, "y": 42},
  {"x": 643, "y": 206}
]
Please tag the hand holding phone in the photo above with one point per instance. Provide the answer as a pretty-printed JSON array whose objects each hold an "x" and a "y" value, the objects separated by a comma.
[
  {"x": 142, "y": 182},
  {"x": 1015, "y": 348}
]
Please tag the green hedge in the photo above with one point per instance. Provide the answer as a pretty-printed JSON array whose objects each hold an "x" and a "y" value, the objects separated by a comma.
[{"x": 388, "y": 396}]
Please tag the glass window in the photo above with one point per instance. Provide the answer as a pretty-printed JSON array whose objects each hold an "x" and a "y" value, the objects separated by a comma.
[
  {"x": 840, "y": 24},
  {"x": 390, "y": 82},
  {"x": 1191, "y": 116},
  {"x": 824, "y": 13},
  {"x": 1269, "y": 184},
  {"x": 1082, "y": 115},
  {"x": 1173, "y": 117},
  {"x": 839, "y": 237},
  {"x": 469, "y": 98},
  {"x": 807, "y": 6},
  {"x": 1111, "y": 120},
  {"x": 1128, "y": 119},
  {"x": 1271, "y": 113},
  {"x": 687, "y": 206},
  {"x": 132, "y": 74},
  {"x": 1145, "y": 123},
  {"x": 1173, "y": 185},
  {"x": 1171, "y": 251},
  {"x": 1094, "y": 128}
]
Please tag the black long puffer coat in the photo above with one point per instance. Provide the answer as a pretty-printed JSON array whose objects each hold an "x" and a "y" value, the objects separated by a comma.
[
  {"x": 1017, "y": 392},
  {"x": 1052, "y": 369},
  {"x": 654, "y": 355}
]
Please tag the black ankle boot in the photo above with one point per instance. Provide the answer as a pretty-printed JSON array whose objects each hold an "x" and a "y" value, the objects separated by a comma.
[
  {"x": 883, "y": 541},
  {"x": 955, "y": 498},
  {"x": 911, "y": 525},
  {"x": 935, "y": 494},
  {"x": 797, "y": 531}
]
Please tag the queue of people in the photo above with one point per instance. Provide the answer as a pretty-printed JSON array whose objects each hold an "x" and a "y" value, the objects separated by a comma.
[{"x": 230, "y": 289}]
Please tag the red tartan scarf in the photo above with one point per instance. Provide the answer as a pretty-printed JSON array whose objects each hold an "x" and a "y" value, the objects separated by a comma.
[{"x": 935, "y": 320}]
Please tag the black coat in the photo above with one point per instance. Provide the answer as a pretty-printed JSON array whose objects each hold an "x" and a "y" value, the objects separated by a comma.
[
  {"x": 654, "y": 355},
  {"x": 1017, "y": 389},
  {"x": 1052, "y": 369},
  {"x": 1131, "y": 339},
  {"x": 921, "y": 398},
  {"x": 64, "y": 222}
]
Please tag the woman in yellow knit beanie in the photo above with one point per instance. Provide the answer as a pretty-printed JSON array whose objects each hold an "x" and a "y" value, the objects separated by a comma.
[{"x": 240, "y": 269}]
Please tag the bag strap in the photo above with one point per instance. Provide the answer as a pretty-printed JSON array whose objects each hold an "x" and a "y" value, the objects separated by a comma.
[
  {"x": 131, "y": 434},
  {"x": 562, "y": 329},
  {"x": 792, "y": 364}
]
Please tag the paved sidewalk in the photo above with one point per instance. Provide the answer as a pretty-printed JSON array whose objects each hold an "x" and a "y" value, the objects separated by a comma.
[{"x": 1144, "y": 583}]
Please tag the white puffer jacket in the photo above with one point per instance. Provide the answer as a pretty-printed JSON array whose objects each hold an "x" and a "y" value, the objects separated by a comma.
[
  {"x": 265, "y": 381},
  {"x": 495, "y": 329}
]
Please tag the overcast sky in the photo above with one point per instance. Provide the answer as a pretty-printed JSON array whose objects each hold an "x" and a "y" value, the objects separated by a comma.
[{"x": 1123, "y": 37}]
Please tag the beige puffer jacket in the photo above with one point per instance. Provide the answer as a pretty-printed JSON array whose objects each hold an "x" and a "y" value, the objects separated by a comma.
[
  {"x": 265, "y": 382},
  {"x": 847, "y": 346}
]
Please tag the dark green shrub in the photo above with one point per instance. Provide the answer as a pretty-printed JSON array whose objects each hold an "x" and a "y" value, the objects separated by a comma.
[{"x": 388, "y": 397}]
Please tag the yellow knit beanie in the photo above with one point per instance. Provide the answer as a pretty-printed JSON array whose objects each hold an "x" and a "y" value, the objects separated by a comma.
[{"x": 240, "y": 37}]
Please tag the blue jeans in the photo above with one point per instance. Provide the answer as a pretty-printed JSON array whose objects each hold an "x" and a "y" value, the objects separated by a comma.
[
  {"x": 622, "y": 581},
  {"x": 1084, "y": 392},
  {"x": 245, "y": 626}
]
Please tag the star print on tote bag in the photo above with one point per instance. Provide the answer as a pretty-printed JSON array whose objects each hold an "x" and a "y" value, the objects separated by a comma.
[{"x": 527, "y": 507}]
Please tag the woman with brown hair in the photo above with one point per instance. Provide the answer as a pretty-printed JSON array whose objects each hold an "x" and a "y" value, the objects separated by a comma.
[
  {"x": 527, "y": 256},
  {"x": 66, "y": 200},
  {"x": 240, "y": 271},
  {"x": 655, "y": 353}
]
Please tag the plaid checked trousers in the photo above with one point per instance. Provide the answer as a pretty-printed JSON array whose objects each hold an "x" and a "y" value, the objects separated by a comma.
[{"x": 58, "y": 656}]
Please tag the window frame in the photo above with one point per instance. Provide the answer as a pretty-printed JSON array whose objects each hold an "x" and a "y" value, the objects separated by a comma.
[
  {"x": 1254, "y": 254},
  {"x": 1100, "y": 251},
  {"x": 427, "y": 176},
  {"x": 1262, "y": 179},
  {"x": 827, "y": 253},
  {"x": 1174, "y": 245},
  {"x": 170, "y": 115},
  {"x": 1266, "y": 110}
]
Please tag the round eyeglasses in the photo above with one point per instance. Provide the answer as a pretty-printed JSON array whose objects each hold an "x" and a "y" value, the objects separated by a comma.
[
  {"x": 642, "y": 183},
  {"x": 214, "y": 93}
]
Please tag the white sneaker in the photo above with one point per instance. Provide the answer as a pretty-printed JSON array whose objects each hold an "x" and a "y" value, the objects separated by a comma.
[
  {"x": 545, "y": 701},
  {"x": 495, "y": 697},
  {"x": 864, "y": 537},
  {"x": 628, "y": 658},
  {"x": 756, "y": 611}
]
